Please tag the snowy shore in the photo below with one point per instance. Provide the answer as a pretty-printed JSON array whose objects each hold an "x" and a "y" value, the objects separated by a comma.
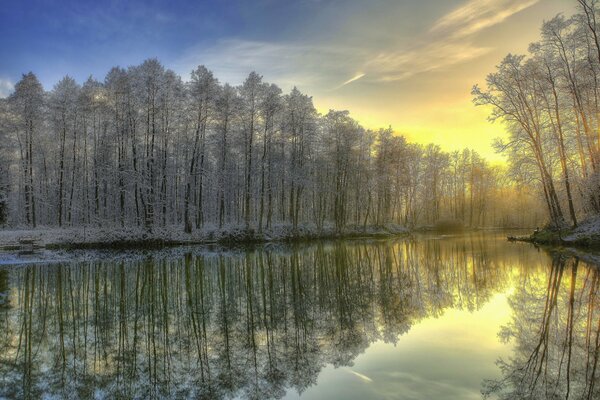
[
  {"x": 585, "y": 235},
  {"x": 88, "y": 238}
]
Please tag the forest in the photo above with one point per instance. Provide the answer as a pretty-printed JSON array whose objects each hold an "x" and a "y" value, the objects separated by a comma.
[
  {"x": 549, "y": 102},
  {"x": 144, "y": 148},
  {"x": 167, "y": 234},
  {"x": 147, "y": 148}
]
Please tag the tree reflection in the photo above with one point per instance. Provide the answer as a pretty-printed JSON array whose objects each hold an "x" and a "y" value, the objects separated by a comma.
[
  {"x": 555, "y": 331},
  {"x": 254, "y": 324}
]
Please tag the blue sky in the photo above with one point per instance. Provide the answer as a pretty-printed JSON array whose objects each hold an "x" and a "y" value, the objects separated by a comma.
[
  {"x": 54, "y": 38},
  {"x": 409, "y": 63}
]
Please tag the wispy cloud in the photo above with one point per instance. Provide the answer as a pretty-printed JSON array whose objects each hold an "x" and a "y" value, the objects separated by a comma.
[
  {"x": 397, "y": 66},
  {"x": 449, "y": 41},
  {"x": 288, "y": 64},
  {"x": 332, "y": 64},
  {"x": 476, "y": 15},
  {"x": 6, "y": 88},
  {"x": 354, "y": 78}
]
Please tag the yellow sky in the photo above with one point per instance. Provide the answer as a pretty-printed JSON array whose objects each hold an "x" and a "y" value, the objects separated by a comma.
[
  {"x": 453, "y": 125},
  {"x": 410, "y": 64},
  {"x": 434, "y": 104},
  {"x": 406, "y": 63}
]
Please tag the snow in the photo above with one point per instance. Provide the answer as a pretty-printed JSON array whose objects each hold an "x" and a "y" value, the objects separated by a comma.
[
  {"x": 81, "y": 244},
  {"x": 74, "y": 236},
  {"x": 588, "y": 228}
]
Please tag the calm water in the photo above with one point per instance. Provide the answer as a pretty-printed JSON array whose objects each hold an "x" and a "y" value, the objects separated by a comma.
[{"x": 423, "y": 318}]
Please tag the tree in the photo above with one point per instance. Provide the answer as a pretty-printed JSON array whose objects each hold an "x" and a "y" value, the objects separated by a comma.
[
  {"x": 250, "y": 93},
  {"x": 27, "y": 103},
  {"x": 63, "y": 105},
  {"x": 203, "y": 89}
]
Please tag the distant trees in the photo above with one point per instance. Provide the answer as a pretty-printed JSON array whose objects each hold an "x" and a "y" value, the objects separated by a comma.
[
  {"x": 144, "y": 148},
  {"x": 549, "y": 101}
]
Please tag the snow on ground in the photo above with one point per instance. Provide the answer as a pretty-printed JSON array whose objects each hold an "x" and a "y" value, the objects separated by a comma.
[
  {"x": 588, "y": 228},
  {"x": 131, "y": 241},
  {"x": 82, "y": 235},
  {"x": 50, "y": 236}
]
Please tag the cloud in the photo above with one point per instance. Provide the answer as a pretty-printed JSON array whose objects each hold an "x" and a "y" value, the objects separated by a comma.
[
  {"x": 288, "y": 64},
  {"x": 332, "y": 64},
  {"x": 354, "y": 78},
  {"x": 397, "y": 66},
  {"x": 6, "y": 88},
  {"x": 476, "y": 15},
  {"x": 449, "y": 41}
]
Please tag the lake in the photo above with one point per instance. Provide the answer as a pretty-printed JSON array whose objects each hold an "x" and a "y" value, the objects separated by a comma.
[{"x": 427, "y": 317}]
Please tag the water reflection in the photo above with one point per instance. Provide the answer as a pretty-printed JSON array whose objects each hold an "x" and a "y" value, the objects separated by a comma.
[
  {"x": 257, "y": 323},
  {"x": 556, "y": 333}
]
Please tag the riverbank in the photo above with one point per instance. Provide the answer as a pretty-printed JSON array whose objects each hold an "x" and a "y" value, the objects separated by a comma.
[
  {"x": 586, "y": 235},
  {"x": 127, "y": 238}
]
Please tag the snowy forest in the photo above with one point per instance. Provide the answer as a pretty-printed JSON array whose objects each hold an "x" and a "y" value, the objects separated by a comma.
[
  {"x": 144, "y": 148},
  {"x": 147, "y": 148},
  {"x": 184, "y": 226},
  {"x": 549, "y": 101}
]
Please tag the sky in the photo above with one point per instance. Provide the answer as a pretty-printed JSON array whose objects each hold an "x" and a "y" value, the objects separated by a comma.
[{"x": 405, "y": 63}]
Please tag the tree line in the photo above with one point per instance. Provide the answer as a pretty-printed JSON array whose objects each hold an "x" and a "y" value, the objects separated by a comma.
[
  {"x": 549, "y": 100},
  {"x": 145, "y": 148}
]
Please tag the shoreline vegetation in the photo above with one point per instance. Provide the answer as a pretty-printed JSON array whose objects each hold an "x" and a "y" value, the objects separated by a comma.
[
  {"x": 121, "y": 238},
  {"x": 54, "y": 244},
  {"x": 94, "y": 238},
  {"x": 586, "y": 235}
]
